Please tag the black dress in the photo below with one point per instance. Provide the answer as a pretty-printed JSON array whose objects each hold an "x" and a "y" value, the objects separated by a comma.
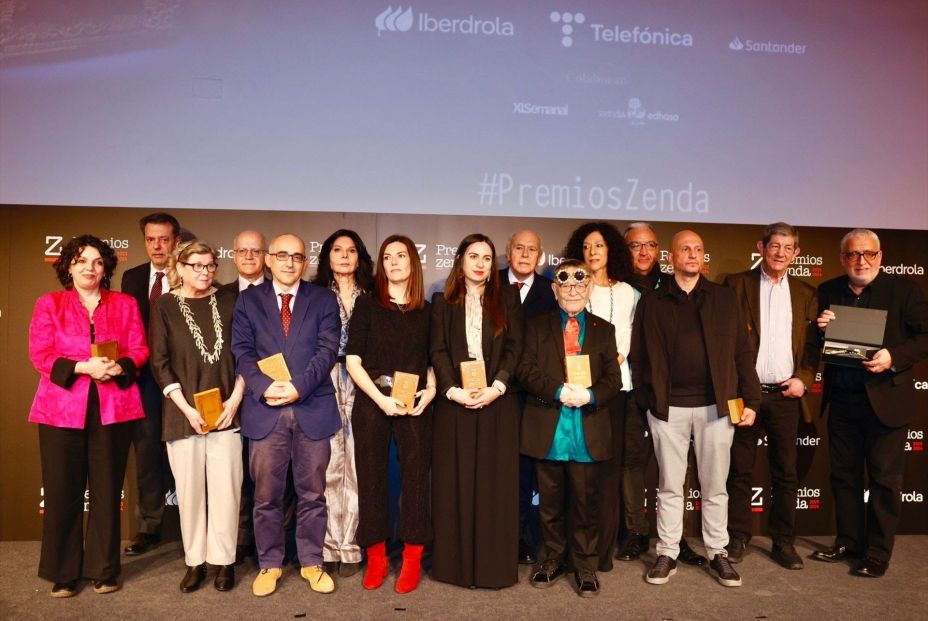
[
  {"x": 475, "y": 465},
  {"x": 389, "y": 340}
]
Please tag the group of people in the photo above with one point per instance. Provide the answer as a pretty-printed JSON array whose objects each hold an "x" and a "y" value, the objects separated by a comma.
[{"x": 278, "y": 398}]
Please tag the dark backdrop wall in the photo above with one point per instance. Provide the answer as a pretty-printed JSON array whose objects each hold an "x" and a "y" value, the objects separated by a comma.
[{"x": 31, "y": 238}]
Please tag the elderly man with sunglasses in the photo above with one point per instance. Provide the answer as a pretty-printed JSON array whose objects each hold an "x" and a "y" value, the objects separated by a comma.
[
  {"x": 871, "y": 406},
  {"x": 566, "y": 425},
  {"x": 290, "y": 417}
]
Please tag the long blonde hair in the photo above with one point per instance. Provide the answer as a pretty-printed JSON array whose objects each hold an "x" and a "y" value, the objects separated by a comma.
[{"x": 180, "y": 255}]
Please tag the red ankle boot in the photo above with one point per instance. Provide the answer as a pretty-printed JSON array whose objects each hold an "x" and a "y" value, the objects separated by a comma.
[
  {"x": 377, "y": 567},
  {"x": 411, "y": 570}
]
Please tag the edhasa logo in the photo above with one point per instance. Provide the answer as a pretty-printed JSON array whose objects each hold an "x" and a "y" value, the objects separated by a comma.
[{"x": 396, "y": 20}]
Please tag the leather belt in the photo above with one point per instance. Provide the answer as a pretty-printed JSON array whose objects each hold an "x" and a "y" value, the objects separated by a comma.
[{"x": 769, "y": 389}]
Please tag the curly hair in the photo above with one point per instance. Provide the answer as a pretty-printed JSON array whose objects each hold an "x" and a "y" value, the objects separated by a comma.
[
  {"x": 363, "y": 277},
  {"x": 619, "y": 261},
  {"x": 73, "y": 249}
]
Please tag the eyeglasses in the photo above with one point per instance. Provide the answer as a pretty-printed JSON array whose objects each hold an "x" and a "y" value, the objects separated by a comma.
[
  {"x": 636, "y": 246},
  {"x": 199, "y": 267},
  {"x": 869, "y": 255},
  {"x": 244, "y": 252},
  {"x": 577, "y": 279},
  {"x": 283, "y": 256}
]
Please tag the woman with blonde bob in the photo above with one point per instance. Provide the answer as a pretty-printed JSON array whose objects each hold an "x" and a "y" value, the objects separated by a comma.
[{"x": 190, "y": 339}]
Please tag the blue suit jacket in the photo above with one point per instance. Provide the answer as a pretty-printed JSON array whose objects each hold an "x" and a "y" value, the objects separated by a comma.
[{"x": 310, "y": 351}]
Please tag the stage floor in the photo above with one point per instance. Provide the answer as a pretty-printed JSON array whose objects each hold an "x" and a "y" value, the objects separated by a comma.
[{"x": 820, "y": 591}]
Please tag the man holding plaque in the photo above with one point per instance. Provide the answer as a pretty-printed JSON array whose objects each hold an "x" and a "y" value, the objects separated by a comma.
[
  {"x": 522, "y": 253},
  {"x": 570, "y": 371},
  {"x": 285, "y": 338},
  {"x": 870, "y": 406},
  {"x": 780, "y": 310},
  {"x": 693, "y": 366}
]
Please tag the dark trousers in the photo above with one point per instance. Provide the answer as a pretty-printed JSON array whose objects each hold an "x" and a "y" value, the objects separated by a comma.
[
  {"x": 858, "y": 442},
  {"x": 246, "y": 533},
  {"x": 413, "y": 435},
  {"x": 94, "y": 457},
  {"x": 152, "y": 470},
  {"x": 779, "y": 418},
  {"x": 287, "y": 446},
  {"x": 569, "y": 509},
  {"x": 610, "y": 486},
  {"x": 636, "y": 454}
]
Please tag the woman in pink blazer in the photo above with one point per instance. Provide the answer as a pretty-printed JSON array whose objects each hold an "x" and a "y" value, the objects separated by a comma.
[{"x": 84, "y": 406}]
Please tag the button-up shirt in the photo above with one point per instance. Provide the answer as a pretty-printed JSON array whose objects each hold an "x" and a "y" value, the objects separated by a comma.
[{"x": 775, "y": 355}]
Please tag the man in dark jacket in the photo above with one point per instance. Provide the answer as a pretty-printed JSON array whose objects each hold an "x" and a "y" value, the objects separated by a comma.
[
  {"x": 566, "y": 426},
  {"x": 870, "y": 406},
  {"x": 693, "y": 366}
]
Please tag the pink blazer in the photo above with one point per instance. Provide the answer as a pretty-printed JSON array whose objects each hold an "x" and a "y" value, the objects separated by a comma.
[{"x": 60, "y": 328}]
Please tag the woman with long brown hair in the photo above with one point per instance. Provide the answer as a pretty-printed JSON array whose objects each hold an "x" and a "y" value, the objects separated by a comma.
[
  {"x": 389, "y": 332},
  {"x": 475, "y": 469}
]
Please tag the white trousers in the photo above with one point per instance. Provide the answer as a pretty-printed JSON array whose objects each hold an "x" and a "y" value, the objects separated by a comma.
[
  {"x": 712, "y": 435},
  {"x": 341, "y": 480},
  {"x": 208, "y": 466}
]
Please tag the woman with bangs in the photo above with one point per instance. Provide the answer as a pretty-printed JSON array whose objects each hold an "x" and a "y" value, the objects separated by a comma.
[
  {"x": 475, "y": 470},
  {"x": 389, "y": 333}
]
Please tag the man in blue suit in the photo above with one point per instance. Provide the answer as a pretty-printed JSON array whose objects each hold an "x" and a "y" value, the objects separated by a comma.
[{"x": 288, "y": 422}]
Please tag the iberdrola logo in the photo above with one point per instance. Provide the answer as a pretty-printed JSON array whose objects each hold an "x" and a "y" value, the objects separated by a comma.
[{"x": 394, "y": 20}]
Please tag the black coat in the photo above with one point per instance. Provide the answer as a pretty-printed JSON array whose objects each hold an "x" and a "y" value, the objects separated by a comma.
[{"x": 541, "y": 373}]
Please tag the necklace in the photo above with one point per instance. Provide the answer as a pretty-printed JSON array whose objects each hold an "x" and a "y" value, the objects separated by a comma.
[
  {"x": 589, "y": 305},
  {"x": 209, "y": 358}
]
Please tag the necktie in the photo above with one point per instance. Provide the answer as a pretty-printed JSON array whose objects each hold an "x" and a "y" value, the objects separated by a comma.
[
  {"x": 519, "y": 285},
  {"x": 285, "y": 311},
  {"x": 156, "y": 289},
  {"x": 572, "y": 337}
]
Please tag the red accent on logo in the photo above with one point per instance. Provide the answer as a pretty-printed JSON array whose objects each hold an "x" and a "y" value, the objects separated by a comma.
[
  {"x": 757, "y": 509},
  {"x": 122, "y": 255},
  {"x": 817, "y": 272},
  {"x": 816, "y": 388},
  {"x": 697, "y": 506},
  {"x": 815, "y": 503},
  {"x": 49, "y": 259},
  {"x": 918, "y": 445}
]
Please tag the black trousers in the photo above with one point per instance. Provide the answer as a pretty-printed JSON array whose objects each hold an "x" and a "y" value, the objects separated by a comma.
[
  {"x": 413, "y": 434},
  {"x": 779, "y": 418},
  {"x": 569, "y": 509},
  {"x": 152, "y": 470},
  {"x": 859, "y": 442},
  {"x": 637, "y": 452},
  {"x": 74, "y": 460},
  {"x": 610, "y": 484}
]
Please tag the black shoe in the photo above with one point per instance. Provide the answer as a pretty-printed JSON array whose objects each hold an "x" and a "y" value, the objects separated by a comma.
[
  {"x": 142, "y": 543},
  {"x": 587, "y": 584},
  {"x": 193, "y": 578},
  {"x": 736, "y": 548},
  {"x": 635, "y": 545},
  {"x": 105, "y": 586},
  {"x": 242, "y": 552},
  {"x": 689, "y": 557},
  {"x": 547, "y": 574},
  {"x": 526, "y": 553},
  {"x": 834, "y": 554},
  {"x": 330, "y": 567},
  {"x": 785, "y": 554},
  {"x": 64, "y": 589},
  {"x": 225, "y": 578},
  {"x": 346, "y": 570},
  {"x": 721, "y": 568},
  {"x": 871, "y": 568},
  {"x": 664, "y": 567}
]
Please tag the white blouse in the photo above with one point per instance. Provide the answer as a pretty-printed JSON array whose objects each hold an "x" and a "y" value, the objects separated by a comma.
[{"x": 616, "y": 304}]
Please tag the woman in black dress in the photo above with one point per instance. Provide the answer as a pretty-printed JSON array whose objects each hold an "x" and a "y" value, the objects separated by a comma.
[
  {"x": 389, "y": 332},
  {"x": 475, "y": 469}
]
